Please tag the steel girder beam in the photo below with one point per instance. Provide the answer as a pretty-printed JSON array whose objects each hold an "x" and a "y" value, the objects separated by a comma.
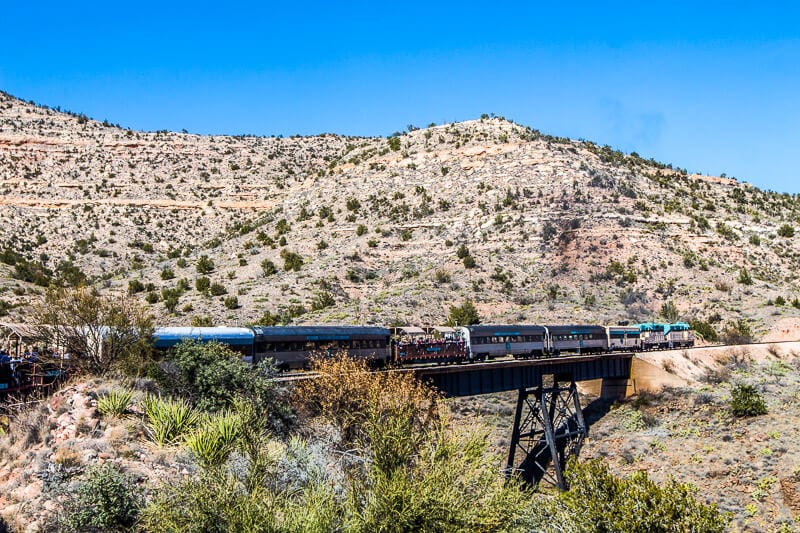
[{"x": 548, "y": 428}]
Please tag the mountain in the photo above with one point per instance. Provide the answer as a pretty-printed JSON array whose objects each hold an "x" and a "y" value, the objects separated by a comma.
[{"x": 337, "y": 229}]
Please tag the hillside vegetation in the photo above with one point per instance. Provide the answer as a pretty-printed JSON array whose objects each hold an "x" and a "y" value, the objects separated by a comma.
[
  {"x": 232, "y": 230},
  {"x": 211, "y": 444}
]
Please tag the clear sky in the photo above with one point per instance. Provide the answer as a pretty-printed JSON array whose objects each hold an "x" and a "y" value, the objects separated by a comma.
[{"x": 709, "y": 86}]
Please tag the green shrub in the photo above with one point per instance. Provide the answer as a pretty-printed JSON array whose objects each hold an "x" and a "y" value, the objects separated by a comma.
[
  {"x": 744, "y": 277},
  {"x": 205, "y": 265},
  {"x": 114, "y": 403},
  {"x": 105, "y": 499},
  {"x": 738, "y": 332},
  {"x": 322, "y": 300},
  {"x": 361, "y": 230},
  {"x": 469, "y": 262},
  {"x": 268, "y": 267},
  {"x": 747, "y": 401},
  {"x": 463, "y": 315},
  {"x": 291, "y": 261},
  {"x": 669, "y": 311},
  {"x": 704, "y": 329},
  {"x": 217, "y": 289},
  {"x": 442, "y": 276},
  {"x": 167, "y": 273},
  {"x": 231, "y": 302},
  {"x": 135, "y": 286},
  {"x": 215, "y": 438},
  {"x": 212, "y": 377},
  {"x": 171, "y": 297},
  {"x": 462, "y": 251},
  {"x": 597, "y": 501},
  {"x": 199, "y": 321},
  {"x": 786, "y": 231},
  {"x": 202, "y": 284},
  {"x": 168, "y": 420}
]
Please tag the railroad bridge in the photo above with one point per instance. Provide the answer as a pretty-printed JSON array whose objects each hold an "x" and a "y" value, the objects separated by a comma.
[{"x": 549, "y": 425}]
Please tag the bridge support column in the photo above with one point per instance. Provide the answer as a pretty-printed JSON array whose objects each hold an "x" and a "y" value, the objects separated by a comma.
[
  {"x": 548, "y": 429},
  {"x": 614, "y": 388}
]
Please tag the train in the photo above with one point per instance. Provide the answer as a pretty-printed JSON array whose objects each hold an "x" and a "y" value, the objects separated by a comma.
[{"x": 293, "y": 347}]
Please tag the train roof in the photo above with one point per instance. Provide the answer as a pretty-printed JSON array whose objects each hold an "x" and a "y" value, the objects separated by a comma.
[
  {"x": 498, "y": 330},
  {"x": 170, "y": 336},
  {"x": 321, "y": 332},
  {"x": 623, "y": 328},
  {"x": 575, "y": 329}
]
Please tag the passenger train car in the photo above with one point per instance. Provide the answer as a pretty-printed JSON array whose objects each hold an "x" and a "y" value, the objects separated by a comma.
[
  {"x": 484, "y": 342},
  {"x": 237, "y": 339},
  {"x": 292, "y": 346}
]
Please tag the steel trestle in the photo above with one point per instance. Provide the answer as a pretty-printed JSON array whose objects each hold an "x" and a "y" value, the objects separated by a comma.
[{"x": 548, "y": 428}]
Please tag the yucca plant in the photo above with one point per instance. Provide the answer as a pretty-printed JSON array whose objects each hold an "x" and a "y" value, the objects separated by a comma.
[
  {"x": 114, "y": 402},
  {"x": 215, "y": 439},
  {"x": 169, "y": 419}
]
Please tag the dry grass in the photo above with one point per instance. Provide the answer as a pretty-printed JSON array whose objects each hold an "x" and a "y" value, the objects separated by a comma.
[
  {"x": 67, "y": 456},
  {"x": 347, "y": 394}
]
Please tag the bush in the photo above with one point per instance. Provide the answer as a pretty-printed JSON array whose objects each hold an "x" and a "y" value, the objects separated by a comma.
[
  {"x": 205, "y": 265},
  {"x": 106, "y": 499},
  {"x": 469, "y": 262},
  {"x": 597, "y": 501},
  {"x": 217, "y": 289},
  {"x": 135, "y": 286},
  {"x": 747, "y": 401},
  {"x": 202, "y": 284},
  {"x": 200, "y": 321},
  {"x": 464, "y": 315},
  {"x": 169, "y": 420},
  {"x": 744, "y": 277},
  {"x": 322, "y": 300},
  {"x": 703, "y": 329},
  {"x": 167, "y": 273},
  {"x": 361, "y": 230},
  {"x": 268, "y": 267},
  {"x": 291, "y": 261},
  {"x": 669, "y": 311},
  {"x": 212, "y": 377},
  {"x": 215, "y": 438},
  {"x": 231, "y": 302},
  {"x": 109, "y": 331},
  {"x": 442, "y": 276},
  {"x": 786, "y": 231},
  {"x": 738, "y": 332},
  {"x": 114, "y": 403}
]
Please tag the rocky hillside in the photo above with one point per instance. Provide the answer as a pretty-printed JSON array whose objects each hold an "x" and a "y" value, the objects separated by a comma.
[{"x": 382, "y": 230}]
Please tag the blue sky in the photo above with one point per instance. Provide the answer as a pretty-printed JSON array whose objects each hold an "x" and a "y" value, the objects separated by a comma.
[{"x": 710, "y": 86}]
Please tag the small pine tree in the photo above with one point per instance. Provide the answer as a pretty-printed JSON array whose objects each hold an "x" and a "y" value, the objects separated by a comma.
[{"x": 747, "y": 401}]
